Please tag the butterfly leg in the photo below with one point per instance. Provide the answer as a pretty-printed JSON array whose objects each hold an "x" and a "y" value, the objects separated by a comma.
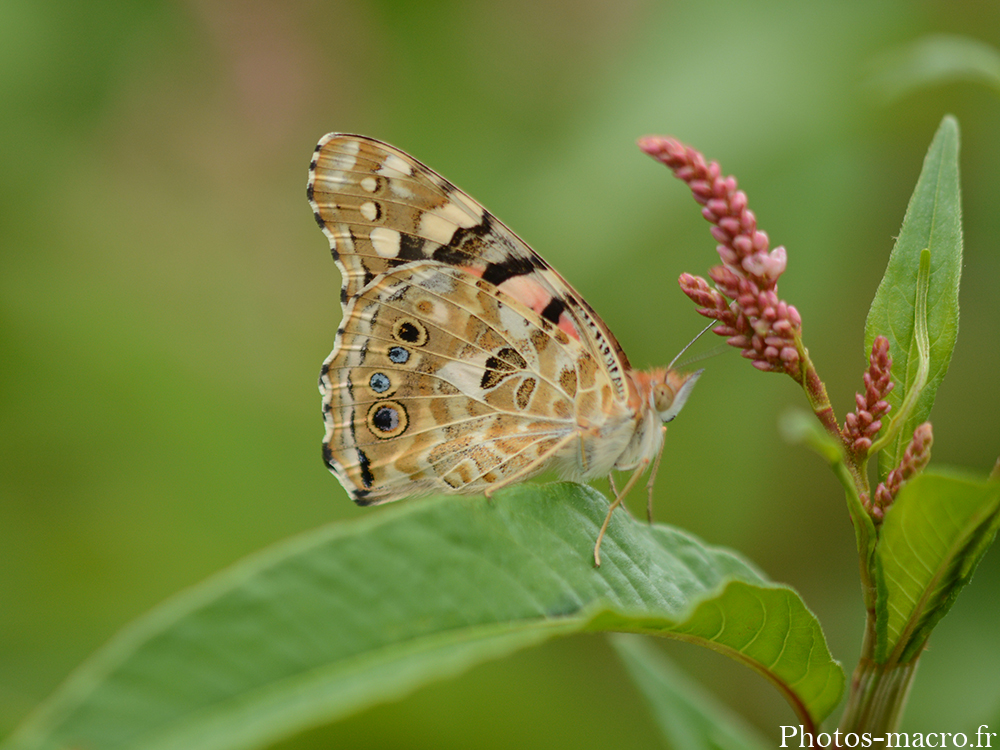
[
  {"x": 611, "y": 481},
  {"x": 618, "y": 501},
  {"x": 652, "y": 476}
]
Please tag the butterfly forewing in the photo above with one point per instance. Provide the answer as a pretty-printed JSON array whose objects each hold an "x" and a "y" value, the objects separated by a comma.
[{"x": 381, "y": 208}]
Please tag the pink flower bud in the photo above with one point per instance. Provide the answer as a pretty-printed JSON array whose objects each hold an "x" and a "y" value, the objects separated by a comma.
[
  {"x": 730, "y": 225},
  {"x": 721, "y": 235}
]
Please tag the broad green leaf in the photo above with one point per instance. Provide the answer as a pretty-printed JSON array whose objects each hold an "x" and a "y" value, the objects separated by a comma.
[
  {"x": 935, "y": 59},
  {"x": 351, "y": 615},
  {"x": 933, "y": 222},
  {"x": 689, "y": 717},
  {"x": 933, "y": 537}
]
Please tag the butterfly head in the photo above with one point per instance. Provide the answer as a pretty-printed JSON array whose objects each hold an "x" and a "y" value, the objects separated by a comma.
[{"x": 666, "y": 390}]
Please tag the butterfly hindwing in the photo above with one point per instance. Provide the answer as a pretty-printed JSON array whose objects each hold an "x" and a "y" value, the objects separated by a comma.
[{"x": 440, "y": 383}]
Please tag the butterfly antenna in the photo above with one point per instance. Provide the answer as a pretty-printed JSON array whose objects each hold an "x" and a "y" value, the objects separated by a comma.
[{"x": 688, "y": 345}]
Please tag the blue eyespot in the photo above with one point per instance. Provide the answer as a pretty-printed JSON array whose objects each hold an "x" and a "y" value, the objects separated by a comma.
[
  {"x": 399, "y": 355},
  {"x": 379, "y": 382}
]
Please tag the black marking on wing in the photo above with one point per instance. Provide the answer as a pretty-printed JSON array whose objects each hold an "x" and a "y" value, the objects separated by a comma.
[
  {"x": 411, "y": 247},
  {"x": 553, "y": 310},
  {"x": 452, "y": 256},
  {"x": 467, "y": 243},
  {"x": 498, "y": 273},
  {"x": 367, "y": 478},
  {"x": 506, "y": 362}
]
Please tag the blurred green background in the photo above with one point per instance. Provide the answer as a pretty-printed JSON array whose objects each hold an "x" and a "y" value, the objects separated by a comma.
[{"x": 166, "y": 298}]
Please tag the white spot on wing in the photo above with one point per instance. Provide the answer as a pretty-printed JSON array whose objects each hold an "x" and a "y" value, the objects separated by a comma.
[
  {"x": 467, "y": 206},
  {"x": 330, "y": 182},
  {"x": 466, "y": 376},
  {"x": 385, "y": 241},
  {"x": 369, "y": 210},
  {"x": 465, "y": 215},
  {"x": 369, "y": 184},
  {"x": 437, "y": 228},
  {"x": 399, "y": 189},
  {"x": 393, "y": 163},
  {"x": 342, "y": 161}
]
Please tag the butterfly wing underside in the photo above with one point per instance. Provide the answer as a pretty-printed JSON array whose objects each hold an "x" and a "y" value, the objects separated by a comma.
[
  {"x": 463, "y": 359},
  {"x": 438, "y": 385}
]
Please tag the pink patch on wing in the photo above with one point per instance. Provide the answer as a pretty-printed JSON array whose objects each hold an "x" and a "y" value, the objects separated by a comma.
[
  {"x": 528, "y": 291},
  {"x": 476, "y": 271},
  {"x": 567, "y": 326}
]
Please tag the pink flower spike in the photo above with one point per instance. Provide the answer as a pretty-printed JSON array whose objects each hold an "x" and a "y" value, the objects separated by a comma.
[
  {"x": 750, "y": 271},
  {"x": 915, "y": 459},
  {"x": 871, "y": 406}
]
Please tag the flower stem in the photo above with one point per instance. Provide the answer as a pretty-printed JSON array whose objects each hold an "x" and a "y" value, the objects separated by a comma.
[
  {"x": 815, "y": 391},
  {"x": 878, "y": 693}
]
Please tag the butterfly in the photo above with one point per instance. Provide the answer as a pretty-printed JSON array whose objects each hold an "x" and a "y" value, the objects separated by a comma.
[{"x": 464, "y": 362}]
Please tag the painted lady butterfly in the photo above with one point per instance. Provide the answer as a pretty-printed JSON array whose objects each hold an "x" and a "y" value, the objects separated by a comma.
[{"x": 464, "y": 361}]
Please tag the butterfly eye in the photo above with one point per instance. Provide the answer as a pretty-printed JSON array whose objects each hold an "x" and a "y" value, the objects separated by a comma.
[
  {"x": 678, "y": 385},
  {"x": 663, "y": 397}
]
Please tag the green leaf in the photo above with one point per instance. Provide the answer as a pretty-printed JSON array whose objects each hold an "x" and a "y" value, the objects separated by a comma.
[
  {"x": 799, "y": 426},
  {"x": 933, "y": 60},
  {"x": 351, "y": 615},
  {"x": 690, "y": 718},
  {"x": 932, "y": 539},
  {"x": 912, "y": 309}
]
